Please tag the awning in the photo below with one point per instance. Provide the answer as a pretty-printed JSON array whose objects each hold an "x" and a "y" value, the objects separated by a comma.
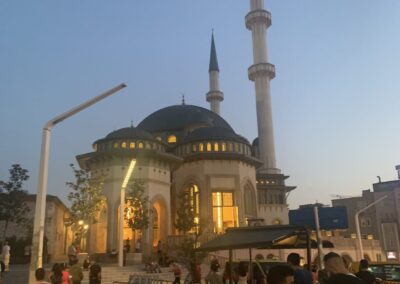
[{"x": 265, "y": 237}]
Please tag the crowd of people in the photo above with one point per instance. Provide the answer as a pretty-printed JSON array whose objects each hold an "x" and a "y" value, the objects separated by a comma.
[
  {"x": 336, "y": 271},
  {"x": 61, "y": 273}
]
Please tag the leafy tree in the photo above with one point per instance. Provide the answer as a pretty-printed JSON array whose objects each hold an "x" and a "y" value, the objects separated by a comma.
[
  {"x": 185, "y": 221},
  {"x": 137, "y": 206},
  {"x": 192, "y": 230},
  {"x": 86, "y": 198},
  {"x": 12, "y": 197}
]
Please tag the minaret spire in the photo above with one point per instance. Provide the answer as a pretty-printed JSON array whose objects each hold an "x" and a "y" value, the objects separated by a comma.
[
  {"x": 214, "y": 95},
  {"x": 271, "y": 187},
  {"x": 261, "y": 73}
]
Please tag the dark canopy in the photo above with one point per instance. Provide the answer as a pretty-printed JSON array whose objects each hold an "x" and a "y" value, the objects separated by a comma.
[{"x": 264, "y": 237}]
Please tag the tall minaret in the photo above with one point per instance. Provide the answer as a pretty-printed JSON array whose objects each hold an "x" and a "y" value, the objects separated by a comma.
[
  {"x": 271, "y": 188},
  {"x": 214, "y": 96},
  {"x": 262, "y": 72}
]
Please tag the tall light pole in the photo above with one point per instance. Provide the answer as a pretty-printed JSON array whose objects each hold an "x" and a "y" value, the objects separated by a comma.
[
  {"x": 357, "y": 222},
  {"x": 40, "y": 208},
  {"x": 122, "y": 211}
]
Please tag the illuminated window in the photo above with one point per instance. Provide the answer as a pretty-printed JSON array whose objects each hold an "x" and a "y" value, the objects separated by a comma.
[
  {"x": 236, "y": 147},
  {"x": 158, "y": 138},
  {"x": 123, "y": 145},
  {"x": 194, "y": 148},
  {"x": 208, "y": 147},
  {"x": 201, "y": 147},
  {"x": 115, "y": 145},
  {"x": 230, "y": 147},
  {"x": 276, "y": 222},
  {"x": 223, "y": 147},
  {"x": 132, "y": 145},
  {"x": 171, "y": 139},
  {"x": 140, "y": 145},
  {"x": 225, "y": 215},
  {"x": 353, "y": 236},
  {"x": 216, "y": 147},
  {"x": 370, "y": 237}
]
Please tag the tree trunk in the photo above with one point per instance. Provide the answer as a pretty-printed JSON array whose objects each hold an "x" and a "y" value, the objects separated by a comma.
[{"x": 5, "y": 232}]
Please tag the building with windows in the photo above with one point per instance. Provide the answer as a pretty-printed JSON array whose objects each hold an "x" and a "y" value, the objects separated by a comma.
[
  {"x": 381, "y": 221},
  {"x": 190, "y": 148}
]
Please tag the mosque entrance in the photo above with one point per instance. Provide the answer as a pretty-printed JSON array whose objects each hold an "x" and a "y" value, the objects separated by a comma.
[{"x": 158, "y": 221}]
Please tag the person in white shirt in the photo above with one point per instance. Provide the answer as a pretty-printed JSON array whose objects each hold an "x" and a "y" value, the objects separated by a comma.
[{"x": 6, "y": 256}]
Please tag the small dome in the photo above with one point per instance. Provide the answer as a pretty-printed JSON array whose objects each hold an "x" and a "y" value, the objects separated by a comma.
[
  {"x": 180, "y": 118},
  {"x": 127, "y": 133},
  {"x": 255, "y": 142},
  {"x": 214, "y": 133}
]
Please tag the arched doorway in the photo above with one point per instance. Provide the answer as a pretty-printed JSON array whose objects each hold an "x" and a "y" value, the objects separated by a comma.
[{"x": 159, "y": 221}]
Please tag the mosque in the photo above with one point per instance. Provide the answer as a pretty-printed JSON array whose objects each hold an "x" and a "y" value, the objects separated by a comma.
[{"x": 185, "y": 147}]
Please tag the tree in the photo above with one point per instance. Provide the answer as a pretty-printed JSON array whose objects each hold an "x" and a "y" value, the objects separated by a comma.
[
  {"x": 13, "y": 197},
  {"x": 86, "y": 198},
  {"x": 137, "y": 206},
  {"x": 185, "y": 221},
  {"x": 192, "y": 230}
]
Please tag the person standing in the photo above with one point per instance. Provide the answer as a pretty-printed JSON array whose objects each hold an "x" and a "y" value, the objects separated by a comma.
[
  {"x": 339, "y": 273},
  {"x": 213, "y": 277},
  {"x": 6, "y": 256},
  {"x": 301, "y": 276},
  {"x": 56, "y": 274},
  {"x": 71, "y": 253},
  {"x": 95, "y": 272},
  {"x": 364, "y": 274},
  {"x": 281, "y": 274},
  {"x": 40, "y": 273},
  {"x": 76, "y": 272},
  {"x": 137, "y": 246},
  {"x": 177, "y": 273}
]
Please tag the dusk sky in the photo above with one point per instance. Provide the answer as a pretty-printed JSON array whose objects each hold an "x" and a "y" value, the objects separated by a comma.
[{"x": 336, "y": 95}]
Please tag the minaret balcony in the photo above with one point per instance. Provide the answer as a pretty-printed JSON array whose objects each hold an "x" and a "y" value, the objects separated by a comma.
[
  {"x": 258, "y": 16},
  {"x": 215, "y": 95},
  {"x": 261, "y": 70}
]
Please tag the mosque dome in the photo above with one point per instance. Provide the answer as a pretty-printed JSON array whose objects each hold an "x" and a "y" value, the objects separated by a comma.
[
  {"x": 129, "y": 133},
  {"x": 180, "y": 118}
]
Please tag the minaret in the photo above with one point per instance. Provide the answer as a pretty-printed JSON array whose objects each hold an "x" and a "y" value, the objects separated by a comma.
[
  {"x": 271, "y": 188},
  {"x": 214, "y": 96},
  {"x": 261, "y": 73}
]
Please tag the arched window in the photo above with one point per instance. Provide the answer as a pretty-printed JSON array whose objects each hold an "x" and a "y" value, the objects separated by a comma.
[
  {"x": 140, "y": 145},
  {"x": 223, "y": 147},
  {"x": 236, "y": 147},
  {"x": 94, "y": 147},
  {"x": 208, "y": 147},
  {"x": 194, "y": 148},
  {"x": 230, "y": 147},
  {"x": 216, "y": 147},
  {"x": 249, "y": 200},
  {"x": 171, "y": 139},
  {"x": 116, "y": 145},
  {"x": 148, "y": 146},
  {"x": 201, "y": 147},
  {"x": 132, "y": 145},
  {"x": 123, "y": 145}
]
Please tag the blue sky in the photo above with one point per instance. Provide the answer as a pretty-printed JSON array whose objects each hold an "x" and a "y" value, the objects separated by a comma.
[{"x": 335, "y": 97}]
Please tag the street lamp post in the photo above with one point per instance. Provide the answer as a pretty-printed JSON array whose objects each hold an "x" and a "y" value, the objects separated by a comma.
[
  {"x": 38, "y": 227},
  {"x": 357, "y": 222},
  {"x": 122, "y": 212}
]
